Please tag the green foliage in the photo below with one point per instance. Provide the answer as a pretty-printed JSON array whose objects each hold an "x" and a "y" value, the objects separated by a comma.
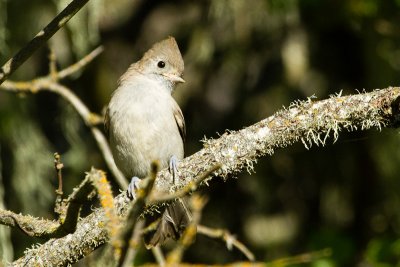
[{"x": 383, "y": 252}]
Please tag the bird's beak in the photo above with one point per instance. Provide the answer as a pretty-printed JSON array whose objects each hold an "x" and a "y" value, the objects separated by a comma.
[{"x": 174, "y": 78}]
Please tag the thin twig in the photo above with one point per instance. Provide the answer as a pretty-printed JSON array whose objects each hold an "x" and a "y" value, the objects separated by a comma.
[
  {"x": 158, "y": 255},
  {"x": 79, "y": 196},
  {"x": 72, "y": 98},
  {"x": 52, "y": 64},
  {"x": 58, "y": 165},
  {"x": 91, "y": 119},
  {"x": 108, "y": 157},
  {"x": 57, "y": 23},
  {"x": 80, "y": 64},
  {"x": 301, "y": 258},
  {"x": 128, "y": 231},
  {"x": 229, "y": 239},
  {"x": 134, "y": 244}
]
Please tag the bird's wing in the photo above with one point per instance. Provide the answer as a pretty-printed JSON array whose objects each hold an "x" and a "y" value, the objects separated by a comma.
[{"x": 180, "y": 120}]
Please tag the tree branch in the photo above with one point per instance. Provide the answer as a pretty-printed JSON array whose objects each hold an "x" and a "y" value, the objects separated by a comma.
[
  {"x": 50, "y": 83},
  {"x": 57, "y": 23},
  {"x": 29, "y": 225},
  {"x": 69, "y": 213},
  {"x": 229, "y": 239},
  {"x": 80, "y": 64},
  {"x": 311, "y": 122},
  {"x": 126, "y": 252}
]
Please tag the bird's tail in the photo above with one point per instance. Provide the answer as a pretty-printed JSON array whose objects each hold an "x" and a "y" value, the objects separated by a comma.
[{"x": 174, "y": 220}]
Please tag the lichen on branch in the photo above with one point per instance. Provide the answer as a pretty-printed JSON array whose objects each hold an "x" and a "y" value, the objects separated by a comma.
[{"x": 310, "y": 121}]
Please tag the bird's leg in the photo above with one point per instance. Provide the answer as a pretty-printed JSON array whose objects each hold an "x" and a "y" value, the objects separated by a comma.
[
  {"x": 173, "y": 167},
  {"x": 133, "y": 186}
]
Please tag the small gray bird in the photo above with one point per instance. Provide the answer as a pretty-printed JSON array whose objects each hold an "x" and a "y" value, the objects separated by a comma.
[{"x": 144, "y": 123}]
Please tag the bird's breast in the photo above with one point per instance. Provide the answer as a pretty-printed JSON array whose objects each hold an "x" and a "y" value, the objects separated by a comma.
[{"x": 143, "y": 129}]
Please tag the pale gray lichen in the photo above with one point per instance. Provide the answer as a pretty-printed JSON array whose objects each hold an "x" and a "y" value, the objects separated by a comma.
[{"x": 306, "y": 121}]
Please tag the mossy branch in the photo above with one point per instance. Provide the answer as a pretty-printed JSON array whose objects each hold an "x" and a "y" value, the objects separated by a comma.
[
  {"x": 312, "y": 122},
  {"x": 66, "y": 224}
]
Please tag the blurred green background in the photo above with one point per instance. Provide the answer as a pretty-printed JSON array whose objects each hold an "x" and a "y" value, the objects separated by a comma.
[{"x": 244, "y": 60}]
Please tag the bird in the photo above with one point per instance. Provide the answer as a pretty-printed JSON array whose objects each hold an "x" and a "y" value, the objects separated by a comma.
[{"x": 144, "y": 123}]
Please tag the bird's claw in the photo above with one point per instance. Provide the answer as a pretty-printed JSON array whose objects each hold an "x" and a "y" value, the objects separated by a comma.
[
  {"x": 132, "y": 187},
  {"x": 173, "y": 167}
]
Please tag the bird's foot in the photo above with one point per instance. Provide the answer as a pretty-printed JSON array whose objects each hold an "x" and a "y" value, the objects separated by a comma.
[
  {"x": 132, "y": 187},
  {"x": 173, "y": 167}
]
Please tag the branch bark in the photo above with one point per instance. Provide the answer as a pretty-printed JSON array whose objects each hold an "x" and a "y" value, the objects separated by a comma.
[
  {"x": 69, "y": 213},
  {"x": 312, "y": 122},
  {"x": 29, "y": 225}
]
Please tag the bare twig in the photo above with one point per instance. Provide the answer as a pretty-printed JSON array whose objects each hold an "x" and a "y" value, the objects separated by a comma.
[
  {"x": 134, "y": 244},
  {"x": 58, "y": 165},
  {"x": 52, "y": 64},
  {"x": 80, "y": 64},
  {"x": 128, "y": 233},
  {"x": 301, "y": 258},
  {"x": 229, "y": 239},
  {"x": 49, "y": 83},
  {"x": 158, "y": 255},
  {"x": 57, "y": 23},
  {"x": 108, "y": 157},
  {"x": 79, "y": 196}
]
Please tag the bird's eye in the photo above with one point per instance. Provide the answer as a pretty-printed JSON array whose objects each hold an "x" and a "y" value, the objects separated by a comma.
[{"x": 161, "y": 64}]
